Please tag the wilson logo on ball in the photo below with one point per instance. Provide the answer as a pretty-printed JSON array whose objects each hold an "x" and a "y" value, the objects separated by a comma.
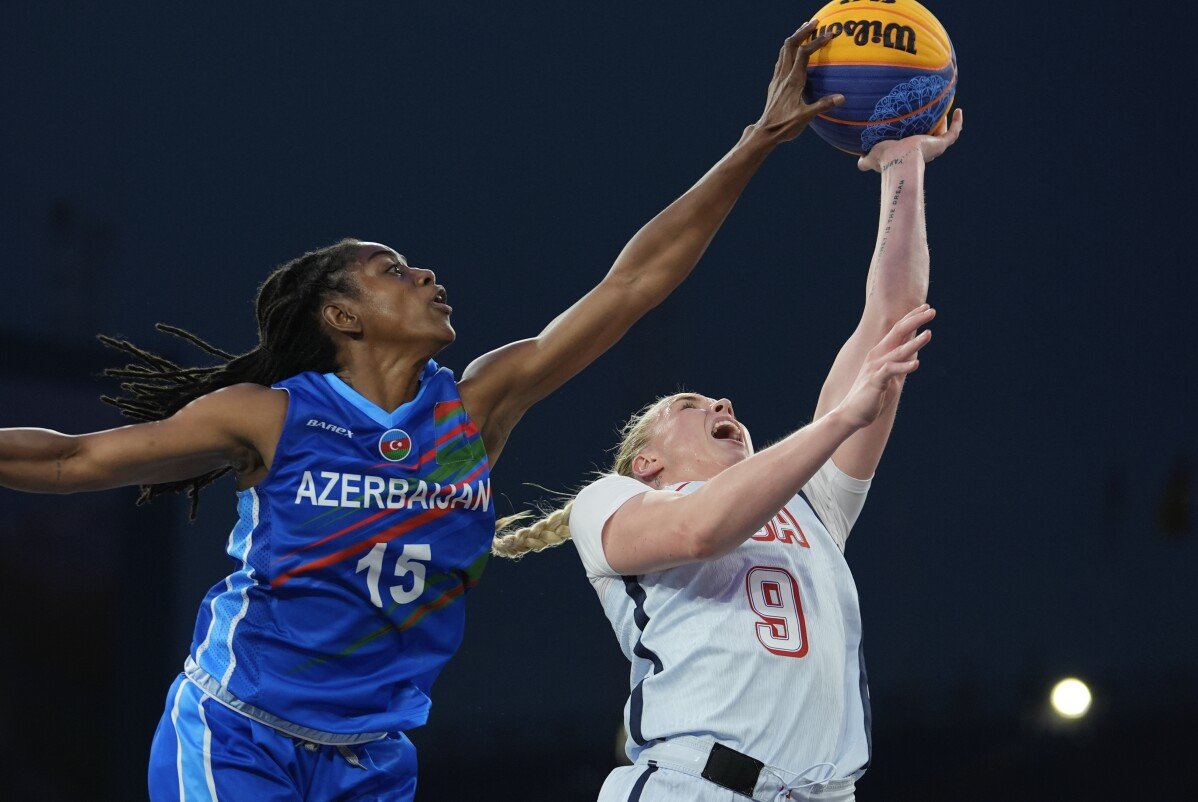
[
  {"x": 866, "y": 31},
  {"x": 893, "y": 63},
  {"x": 395, "y": 445}
]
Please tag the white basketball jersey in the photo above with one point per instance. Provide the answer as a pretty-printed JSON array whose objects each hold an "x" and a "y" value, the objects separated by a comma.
[{"x": 759, "y": 649}]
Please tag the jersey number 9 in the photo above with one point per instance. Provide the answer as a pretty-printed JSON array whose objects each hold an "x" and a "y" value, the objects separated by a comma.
[{"x": 774, "y": 596}]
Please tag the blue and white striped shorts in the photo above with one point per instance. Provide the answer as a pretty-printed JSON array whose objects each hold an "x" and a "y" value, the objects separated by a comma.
[{"x": 204, "y": 752}]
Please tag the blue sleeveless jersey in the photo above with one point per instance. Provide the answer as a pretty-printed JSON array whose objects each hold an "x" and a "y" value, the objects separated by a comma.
[{"x": 353, "y": 554}]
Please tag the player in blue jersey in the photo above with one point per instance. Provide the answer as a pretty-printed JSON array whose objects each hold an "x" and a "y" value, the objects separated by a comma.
[
  {"x": 364, "y": 497},
  {"x": 722, "y": 570}
]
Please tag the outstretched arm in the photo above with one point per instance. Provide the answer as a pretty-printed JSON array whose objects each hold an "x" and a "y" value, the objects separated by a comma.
[
  {"x": 660, "y": 529},
  {"x": 228, "y": 427},
  {"x": 897, "y": 281},
  {"x": 499, "y": 387}
]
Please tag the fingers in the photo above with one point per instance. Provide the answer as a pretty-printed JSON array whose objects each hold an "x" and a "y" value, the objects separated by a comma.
[
  {"x": 782, "y": 65},
  {"x": 825, "y": 104},
  {"x": 957, "y": 125},
  {"x": 942, "y": 128},
  {"x": 904, "y": 359},
  {"x": 906, "y": 326},
  {"x": 790, "y": 48},
  {"x": 910, "y": 349},
  {"x": 906, "y": 368},
  {"x": 897, "y": 354},
  {"x": 799, "y": 69},
  {"x": 949, "y": 135},
  {"x": 922, "y": 309},
  {"x": 893, "y": 370}
]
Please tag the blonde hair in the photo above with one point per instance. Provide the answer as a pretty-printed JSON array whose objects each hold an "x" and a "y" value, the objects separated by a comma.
[{"x": 553, "y": 527}]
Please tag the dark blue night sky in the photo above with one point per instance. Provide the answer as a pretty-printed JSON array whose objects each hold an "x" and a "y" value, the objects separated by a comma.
[{"x": 1034, "y": 514}]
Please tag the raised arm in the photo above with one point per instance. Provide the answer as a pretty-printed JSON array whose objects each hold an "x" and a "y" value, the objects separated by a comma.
[
  {"x": 660, "y": 529},
  {"x": 230, "y": 427},
  {"x": 897, "y": 281},
  {"x": 499, "y": 387}
]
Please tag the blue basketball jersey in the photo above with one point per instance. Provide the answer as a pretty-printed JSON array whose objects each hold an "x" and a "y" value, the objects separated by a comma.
[{"x": 353, "y": 556}]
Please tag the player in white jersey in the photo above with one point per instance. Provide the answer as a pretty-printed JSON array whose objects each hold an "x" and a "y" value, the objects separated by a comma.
[{"x": 722, "y": 570}]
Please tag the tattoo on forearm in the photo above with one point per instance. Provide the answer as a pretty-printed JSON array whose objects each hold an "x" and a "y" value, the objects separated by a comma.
[
  {"x": 898, "y": 191},
  {"x": 891, "y": 163}
]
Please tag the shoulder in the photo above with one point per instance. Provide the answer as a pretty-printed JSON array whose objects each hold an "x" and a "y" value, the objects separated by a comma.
[
  {"x": 253, "y": 415},
  {"x": 837, "y": 499},
  {"x": 614, "y": 483},
  {"x": 484, "y": 401},
  {"x": 250, "y": 412},
  {"x": 831, "y": 480},
  {"x": 475, "y": 394},
  {"x": 247, "y": 399},
  {"x": 596, "y": 502},
  {"x": 446, "y": 387},
  {"x": 591, "y": 509},
  {"x": 239, "y": 399},
  {"x": 440, "y": 371}
]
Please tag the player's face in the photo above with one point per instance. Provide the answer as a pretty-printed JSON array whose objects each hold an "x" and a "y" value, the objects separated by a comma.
[
  {"x": 696, "y": 437},
  {"x": 398, "y": 302}
]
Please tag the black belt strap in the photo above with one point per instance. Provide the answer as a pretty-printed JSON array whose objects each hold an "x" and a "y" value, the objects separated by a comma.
[{"x": 732, "y": 770}]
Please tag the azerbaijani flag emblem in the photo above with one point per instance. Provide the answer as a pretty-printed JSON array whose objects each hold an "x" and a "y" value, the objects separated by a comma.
[{"x": 395, "y": 445}]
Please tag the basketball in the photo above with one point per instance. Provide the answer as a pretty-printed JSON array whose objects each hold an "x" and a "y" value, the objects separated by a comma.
[{"x": 893, "y": 62}]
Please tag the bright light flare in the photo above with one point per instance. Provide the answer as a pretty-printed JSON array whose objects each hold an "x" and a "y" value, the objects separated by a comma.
[{"x": 1071, "y": 698}]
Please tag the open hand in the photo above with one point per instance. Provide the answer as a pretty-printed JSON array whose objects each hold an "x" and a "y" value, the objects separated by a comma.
[
  {"x": 786, "y": 113},
  {"x": 886, "y": 366},
  {"x": 929, "y": 145}
]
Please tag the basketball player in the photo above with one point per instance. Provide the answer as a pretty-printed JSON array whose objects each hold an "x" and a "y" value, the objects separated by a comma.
[
  {"x": 722, "y": 570},
  {"x": 364, "y": 497}
]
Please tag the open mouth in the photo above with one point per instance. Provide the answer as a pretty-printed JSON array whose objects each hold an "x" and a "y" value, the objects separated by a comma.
[
  {"x": 727, "y": 430},
  {"x": 440, "y": 300}
]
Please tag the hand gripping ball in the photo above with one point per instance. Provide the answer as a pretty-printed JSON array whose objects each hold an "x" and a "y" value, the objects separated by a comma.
[{"x": 893, "y": 62}]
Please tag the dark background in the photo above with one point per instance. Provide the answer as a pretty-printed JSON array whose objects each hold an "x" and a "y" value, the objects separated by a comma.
[{"x": 1033, "y": 517}]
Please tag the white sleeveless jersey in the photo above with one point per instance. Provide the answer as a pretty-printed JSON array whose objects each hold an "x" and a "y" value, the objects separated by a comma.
[{"x": 759, "y": 649}]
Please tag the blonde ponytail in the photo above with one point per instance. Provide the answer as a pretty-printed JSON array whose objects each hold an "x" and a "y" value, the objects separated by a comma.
[{"x": 514, "y": 541}]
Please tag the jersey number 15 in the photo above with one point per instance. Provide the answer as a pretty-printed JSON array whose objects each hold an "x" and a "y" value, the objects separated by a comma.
[{"x": 406, "y": 563}]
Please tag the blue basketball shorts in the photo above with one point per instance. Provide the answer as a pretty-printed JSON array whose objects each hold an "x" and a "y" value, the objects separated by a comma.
[{"x": 204, "y": 752}]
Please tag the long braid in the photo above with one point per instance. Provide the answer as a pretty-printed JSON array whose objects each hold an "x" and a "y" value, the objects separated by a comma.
[
  {"x": 291, "y": 340},
  {"x": 552, "y": 530},
  {"x": 514, "y": 541}
]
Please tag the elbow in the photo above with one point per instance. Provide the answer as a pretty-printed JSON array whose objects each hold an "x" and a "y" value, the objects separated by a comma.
[
  {"x": 703, "y": 534},
  {"x": 699, "y": 549},
  {"x": 622, "y": 280},
  {"x": 702, "y": 543},
  {"x": 637, "y": 288},
  {"x": 70, "y": 469}
]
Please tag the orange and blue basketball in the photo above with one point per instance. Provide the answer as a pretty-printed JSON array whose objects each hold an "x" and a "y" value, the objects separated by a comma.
[{"x": 893, "y": 62}]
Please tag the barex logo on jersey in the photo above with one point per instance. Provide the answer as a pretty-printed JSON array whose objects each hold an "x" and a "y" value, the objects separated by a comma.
[{"x": 395, "y": 445}]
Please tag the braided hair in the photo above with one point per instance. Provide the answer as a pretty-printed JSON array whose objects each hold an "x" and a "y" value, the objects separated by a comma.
[
  {"x": 513, "y": 539},
  {"x": 291, "y": 340}
]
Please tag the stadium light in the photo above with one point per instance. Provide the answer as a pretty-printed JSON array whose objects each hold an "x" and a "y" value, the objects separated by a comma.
[{"x": 1070, "y": 698}]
